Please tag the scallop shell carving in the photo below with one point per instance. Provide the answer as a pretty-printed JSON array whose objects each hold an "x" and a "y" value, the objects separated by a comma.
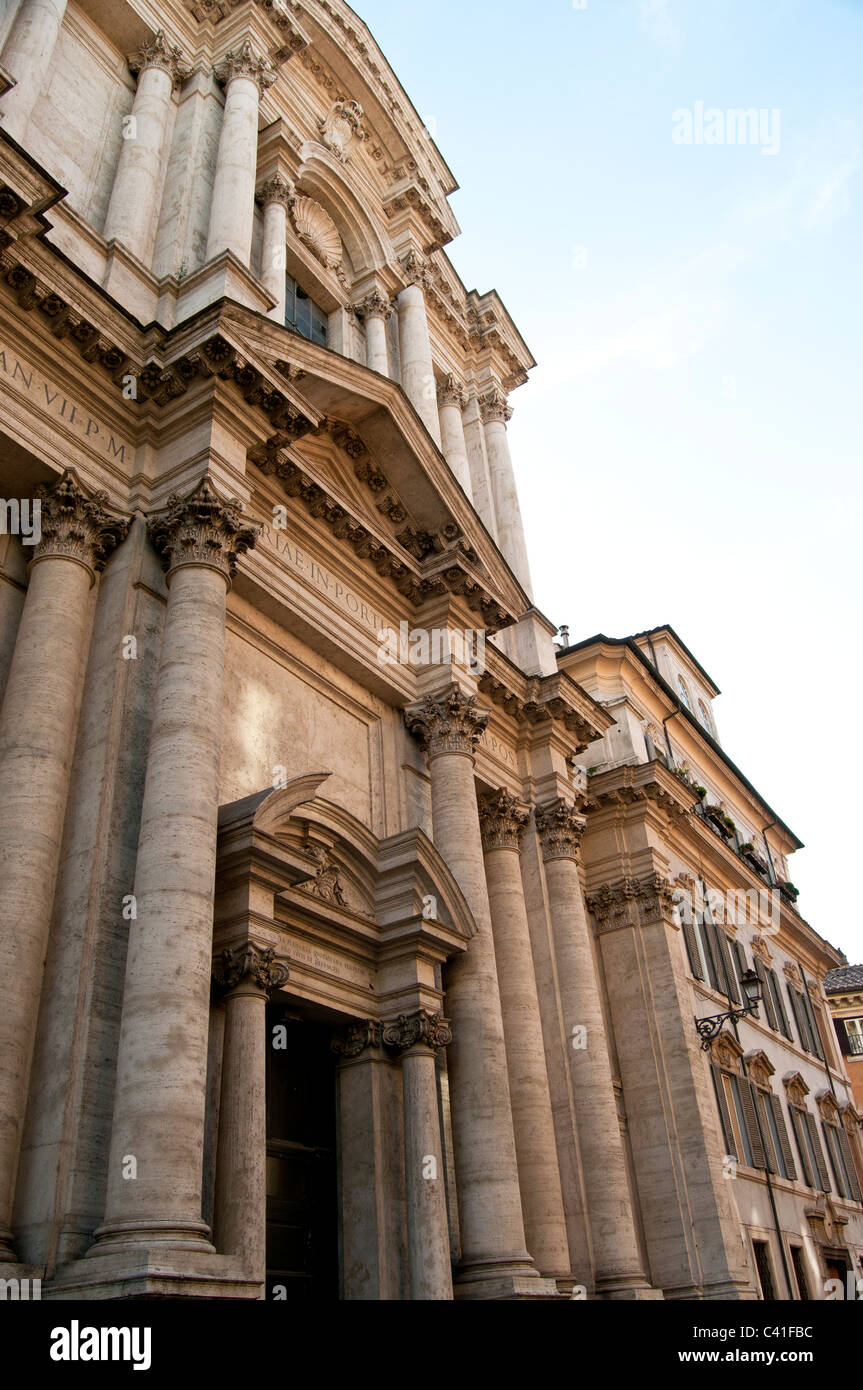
[{"x": 317, "y": 230}]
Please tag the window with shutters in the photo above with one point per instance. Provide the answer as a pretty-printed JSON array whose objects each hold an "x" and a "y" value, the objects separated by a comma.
[
  {"x": 771, "y": 996},
  {"x": 773, "y": 1130},
  {"x": 764, "y": 1266},
  {"x": 799, "y": 1267},
  {"x": 716, "y": 947},
  {"x": 852, "y": 1148},
  {"x": 804, "y": 1017},
  {"x": 736, "y": 1099},
  {"x": 838, "y": 1148},
  {"x": 813, "y": 1163},
  {"x": 849, "y": 1031}
]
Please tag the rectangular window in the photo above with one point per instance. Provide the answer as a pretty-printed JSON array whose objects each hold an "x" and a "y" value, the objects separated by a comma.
[
  {"x": 303, "y": 315},
  {"x": 771, "y": 1134},
  {"x": 800, "y": 1273},
  {"x": 837, "y": 1159},
  {"x": 738, "y": 1119},
  {"x": 807, "y": 1165},
  {"x": 764, "y": 1266},
  {"x": 854, "y": 1031}
]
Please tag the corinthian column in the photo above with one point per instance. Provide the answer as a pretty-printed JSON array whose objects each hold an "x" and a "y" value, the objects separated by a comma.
[
  {"x": 415, "y": 355},
  {"x": 162, "y": 1055},
  {"x": 452, "y": 399},
  {"x": 510, "y": 531},
  {"x": 26, "y": 57},
  {"x": 135, "y": 198},
  {"x": 494, "y": 1261},
  {"x": 417, "y": 1036},
  {"x": 618, "y": 1267},
  {"x": 232, "y": 213},
  {"x": 375, "y": 311},
  {"x": 37, "y": 742},
  {"x": 503, "y": 821},
  {"x": 248, "y": 976},
  {"x": 274, "y": 197}
]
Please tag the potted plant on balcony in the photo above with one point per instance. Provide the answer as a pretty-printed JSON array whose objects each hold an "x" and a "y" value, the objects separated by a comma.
[{"x": 788, "y": 891}]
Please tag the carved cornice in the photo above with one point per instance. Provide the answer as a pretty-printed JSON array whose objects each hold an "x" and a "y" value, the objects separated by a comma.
[
  {"x": 158, "y": 53},
  {"x": 433, "y": 1030},
  {"x": 531, "y": 699},
  {"x": 633, "y": 902},
  {"x": 77, "y": 524},
  {"x": 760, "y": 1067},
  {"x": 797, "y": 1089},
  {"x": 292, "y": 39},
  {"x": 358, "y": 1037},
  {"x": 202, "y": 529},
  {"x": 245, "y": 61},
  {"x": 249, "y": 964},
  {"x": 502, "y": 820},
  {"x": 275, "y": 190},
  {"x": 450, "y": 723},
  {"x": 792, "y": 974},
  {"x": 828, "y": 1106},
  {"x": 560, "y": 828},
  {"x": 761, "y": 949},
  {"x": 413, "y": 198},
  {"x": 451, "y": 392},
  {"x": 494, "y": 408},
  {"x": 375, "y": 306}
]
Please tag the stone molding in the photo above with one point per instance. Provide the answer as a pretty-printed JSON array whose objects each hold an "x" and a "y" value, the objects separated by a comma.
[
  {"x": 326, "y": 884},
  {"x": 532, "y": 699},
  {"x": 450, "y": 723},
  {"x": 375, "y": 306},
  {"x": 633, "y": 902},
  {"x": 502, "y": 821},
  {"x": 421, "y": 1027},
  {"x": 760, "y": 1067},
  {"x": 77, "y": 524},
  {"x": 254, "y": 964},
  {"x": 245, "y": 62},
  {"x": 317, "y": 230},
  {"x": 157, "y": 52},
  {"x": 451, "y": 392},
  {"x": 560, "y": 828},
  {"x": 342, "y": 128},
  {"x": 202, "y": 529},
  {"x": 275, "y": 190},
  {"x": 358, "y": 1038},
  {"x": 494, "y": 408}
]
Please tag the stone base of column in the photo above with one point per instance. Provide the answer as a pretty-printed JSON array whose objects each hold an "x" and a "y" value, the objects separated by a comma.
[
  {"x": 8, "y": 1253},
  {"x": 152, "y": 1274},
  {"x": 625, "y": 1287},
  {"x": 500, "y": 1283},
  {"x": 138, "y": 1236}
]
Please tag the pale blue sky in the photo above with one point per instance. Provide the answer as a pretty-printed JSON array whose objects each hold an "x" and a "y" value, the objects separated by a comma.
[{"x": 688, "y": 449}]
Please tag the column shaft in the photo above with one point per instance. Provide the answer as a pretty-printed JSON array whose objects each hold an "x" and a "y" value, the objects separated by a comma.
[
  {"x": 162, "y": 1057},
  {"x": 377, "y": 357},
  {"x": 135, "y": 198},
  {"x": 539, "y": 1172},
  {"x": 480, "y": 478},
  {"x": 451, "y": 401},
  {"x": 232, "y": 211},
  {"x": 273, "y": 256},
  {"x": 37, "y": 742},
  {"x": 27, "y": 56},
  {"x": 492, "y": 1228},
  {"x": 618, "y": 1266},
  {"x": 510, "y": 530},
  {"x": 417, "y": 372}
]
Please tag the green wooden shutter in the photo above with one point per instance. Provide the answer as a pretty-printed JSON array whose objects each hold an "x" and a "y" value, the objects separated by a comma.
[
  {"x": 842, "y": 1035},
  {"x": 845, "y": 1146},
  {"x": 765, "y": 993},
  {"x": 784, "y": 1141},
  {"x": 724, "y": 1115},
  {"x": 691, "y": 941},
  {"x": 823, "y": 1174},
  {"x": 797, "y": 1118},
  {"x": 781, "y": 1015},
  {"x": 711, "y": 952},
  {"x": 747, "y": 1100},
  {"x": 725, "y": 956},
  {"x": 813, "y": 1025},
  {"x": 759, "y": 1099},
  {"x": 800, "y": 1018}
]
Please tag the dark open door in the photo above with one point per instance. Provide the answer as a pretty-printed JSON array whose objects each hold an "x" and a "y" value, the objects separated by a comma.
[{"x": 302, "y": 1200}]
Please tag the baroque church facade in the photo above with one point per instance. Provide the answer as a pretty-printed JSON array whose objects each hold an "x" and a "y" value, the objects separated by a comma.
[{"x": 353, "y": 933}]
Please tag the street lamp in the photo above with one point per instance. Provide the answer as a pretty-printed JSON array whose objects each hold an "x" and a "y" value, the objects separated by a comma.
[{"x": 708, "y": 1028}]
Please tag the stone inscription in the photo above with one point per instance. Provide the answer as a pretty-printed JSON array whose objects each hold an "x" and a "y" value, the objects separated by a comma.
[
  {"x": 322, "y": 579},
  {"x": 497, "y": 749},
  {"x": 48, "y": 399},
  {"x": 305, "y": 954}
]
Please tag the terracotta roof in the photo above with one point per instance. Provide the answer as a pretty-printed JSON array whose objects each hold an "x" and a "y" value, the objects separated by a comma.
[{"x": 846, "y": 977}]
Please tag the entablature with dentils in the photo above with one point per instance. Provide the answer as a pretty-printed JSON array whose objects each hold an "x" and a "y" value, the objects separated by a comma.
[{"x": 530, "y": 700}]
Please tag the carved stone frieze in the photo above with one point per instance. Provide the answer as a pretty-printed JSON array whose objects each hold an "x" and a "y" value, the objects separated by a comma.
[
  {"x": 367, "y": 1033},
  {"x": 202, "y": 529},
  {"x": 157, "y": 52},
  {"x": 633, "y": 902},
  {"x": 245, "y": 61},
  {"x": 276, "y": 190},
  {"x": 77, "y": 524},
  {"x": 450, "y": 723},
  {"x": 421, "y": 1027},
  {"x": 494, "y": 407},
  {"x": 502, "y": 820},
  {"x": 560, "y": 828},
  {"x": 327, "y": 882},
  {"x": 451, "y": 392},
  {"x": 255, "y": 964}
]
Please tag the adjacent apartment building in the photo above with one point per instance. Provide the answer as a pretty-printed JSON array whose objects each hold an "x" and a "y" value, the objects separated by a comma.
[{"x": 353, "y": 936}]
